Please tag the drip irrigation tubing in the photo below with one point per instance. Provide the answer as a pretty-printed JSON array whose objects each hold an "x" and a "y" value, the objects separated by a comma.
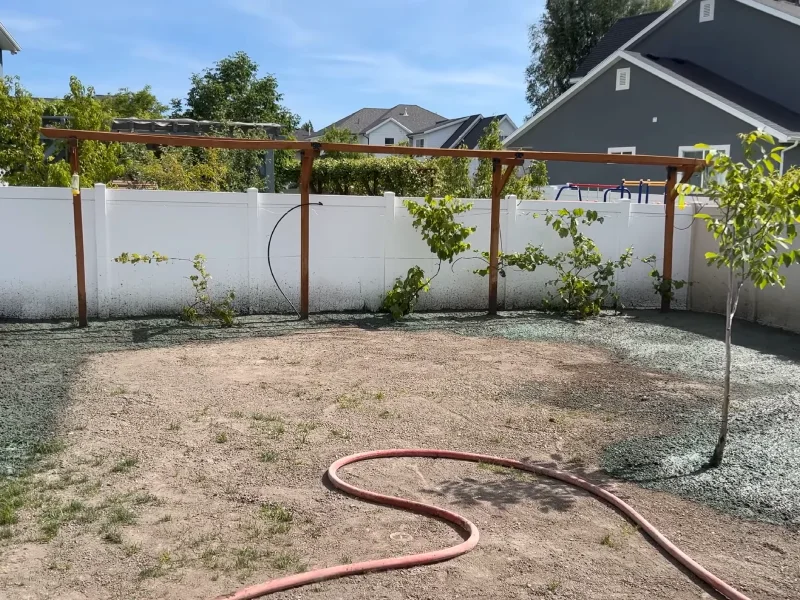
[
  {"x": 471, "y": 531},
  {"x": 269, "y": 261}
]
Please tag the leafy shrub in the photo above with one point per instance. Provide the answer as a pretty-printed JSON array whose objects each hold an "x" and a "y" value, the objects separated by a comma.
[
  {"x": 584, "y": 282},
  {"x": 403, "y": 296}
]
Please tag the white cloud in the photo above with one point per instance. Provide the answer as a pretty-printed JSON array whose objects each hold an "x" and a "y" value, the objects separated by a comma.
[
  {"x": 388, "y": 72},
  {"x": 282, "y": 25},
  {"x": 166, "y": 55},
  {"x": 33, "y": 32}
]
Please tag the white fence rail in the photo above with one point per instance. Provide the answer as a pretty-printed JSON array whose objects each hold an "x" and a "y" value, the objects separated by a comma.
[{"x": 359, "y": 245}]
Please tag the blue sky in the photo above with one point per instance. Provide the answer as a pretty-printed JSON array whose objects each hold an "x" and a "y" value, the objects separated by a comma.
[{"x": 331, "y": 57}]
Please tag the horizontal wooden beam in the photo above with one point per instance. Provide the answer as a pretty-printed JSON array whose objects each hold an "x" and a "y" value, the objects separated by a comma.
[{"x": 250, "y": 144}]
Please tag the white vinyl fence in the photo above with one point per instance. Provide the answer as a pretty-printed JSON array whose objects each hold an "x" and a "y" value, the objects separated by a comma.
[{"x": 359, "y": 245}]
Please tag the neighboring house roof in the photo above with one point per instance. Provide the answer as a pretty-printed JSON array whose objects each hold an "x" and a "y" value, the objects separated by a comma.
[
  {"x": 759, "y": 108},
  {"x": 472, "y": 137},
  {"x": 303, "y": 135},
  {"x": 776, "y": 8},
  {"x": 438, "y": 125},
  {"x": 621, "y": 32},
  {"x": 410, "y": 116},
  {"x": 458, "y": 135},
  {"x": 7, "y": 41}
]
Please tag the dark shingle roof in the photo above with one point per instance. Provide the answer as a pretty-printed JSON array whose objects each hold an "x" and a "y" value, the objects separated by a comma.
[
  {"x": 724, "y": 90},
  {"x": 459, "y": 133},
  {"x": 473, "y": 137},
  {"x": 357, "y": 121},
  {"x": 436, "y": 124},
  {"x": 620, "y": 33},
  {"x": 412, "y": 116}
]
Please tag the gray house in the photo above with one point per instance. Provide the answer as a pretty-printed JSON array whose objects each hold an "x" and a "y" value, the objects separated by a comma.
[
  {"x": 7, "y": 44},
  {"x": 702, "y": 71}
]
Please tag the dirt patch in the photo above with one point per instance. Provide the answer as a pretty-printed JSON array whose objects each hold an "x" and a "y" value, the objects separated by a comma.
[{"x": 192, "y": 470}]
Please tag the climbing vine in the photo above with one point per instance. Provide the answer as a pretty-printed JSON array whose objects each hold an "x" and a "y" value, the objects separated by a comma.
[
  {"x": 204, "y": 307},
  {"x": 435, "y": 218},
  {"x": 584, "y": 283},
  {"x": 665, "y": 288}
]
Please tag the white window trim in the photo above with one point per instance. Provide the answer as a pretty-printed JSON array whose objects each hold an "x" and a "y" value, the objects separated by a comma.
[
  {"x": 622, "y": 150},
  {"x": 710, "y": 17},
  {"x": 682, "y": 150},
  {"x": 626, "y": 71},
  {"x": 417, "y": 143},
  {"x": 389, "y": 138}
]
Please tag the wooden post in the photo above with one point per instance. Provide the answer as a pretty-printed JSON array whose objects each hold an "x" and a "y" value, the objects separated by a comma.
[
  {"x": 306, "y": 164},
  {"x": 494, "y": 240},
  {"x": 669, "y": 230},
  {"x": 77, "y": 216}
]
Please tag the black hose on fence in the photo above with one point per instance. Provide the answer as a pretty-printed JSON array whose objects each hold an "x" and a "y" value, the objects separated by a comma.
[{"x": 269, "y": 262}]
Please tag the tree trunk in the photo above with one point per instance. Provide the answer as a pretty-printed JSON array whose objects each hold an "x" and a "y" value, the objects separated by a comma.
[{"x": 730, "y": 310}]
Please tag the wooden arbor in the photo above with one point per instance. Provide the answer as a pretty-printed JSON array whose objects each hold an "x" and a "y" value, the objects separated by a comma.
[{"x": 503, "y": 164}]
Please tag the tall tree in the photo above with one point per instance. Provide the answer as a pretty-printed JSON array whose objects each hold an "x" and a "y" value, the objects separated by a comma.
[
  {"x": 142, "y": 104},
  {"x": 307, "y": 126},
  {"x": 233, "y": 91},
  {"x": 563, "y": 37}
]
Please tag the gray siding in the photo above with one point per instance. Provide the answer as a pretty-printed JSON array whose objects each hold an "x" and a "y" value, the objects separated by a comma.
[
  {"x": 597, "y": 118},
  {"x": 742, "y": 44}
]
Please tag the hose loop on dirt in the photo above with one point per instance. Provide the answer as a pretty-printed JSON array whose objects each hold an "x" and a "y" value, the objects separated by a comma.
[{"x": 471, "y": 532}]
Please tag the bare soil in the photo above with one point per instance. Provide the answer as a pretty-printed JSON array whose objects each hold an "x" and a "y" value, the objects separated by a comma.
[{"x": 193, "y": 470}]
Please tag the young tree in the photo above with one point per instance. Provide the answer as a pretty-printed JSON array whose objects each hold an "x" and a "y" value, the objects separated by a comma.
[
  {"x": 756, "y": 226},
  {"x": 564, "y": 35},
  {"x": 307, "y": 126},
  {"x": 526, "y": 187}
]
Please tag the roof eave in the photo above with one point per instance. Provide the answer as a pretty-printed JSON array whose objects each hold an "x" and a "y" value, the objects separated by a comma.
[{"x": 14, "y": 46}]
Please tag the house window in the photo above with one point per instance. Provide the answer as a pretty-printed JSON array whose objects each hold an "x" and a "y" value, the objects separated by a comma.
[
  {"x": 700, "y": 178},
  {"x": 706, "y": 11},
  {"x": 388, "y": 141},
  {"x": 420, "y": 143},
  {"x": 623, "y": 79},
  {"x": 623, "y": 150}
]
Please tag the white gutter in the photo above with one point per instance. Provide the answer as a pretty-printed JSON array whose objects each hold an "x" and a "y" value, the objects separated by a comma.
[{"x": 785, "y": 150}]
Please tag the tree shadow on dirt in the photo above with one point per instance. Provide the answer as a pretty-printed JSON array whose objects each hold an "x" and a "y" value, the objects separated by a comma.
[{"x": 521, "y": 486}]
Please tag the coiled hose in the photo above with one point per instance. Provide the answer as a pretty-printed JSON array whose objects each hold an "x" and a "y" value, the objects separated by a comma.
[{"x": 426, "y": 558}]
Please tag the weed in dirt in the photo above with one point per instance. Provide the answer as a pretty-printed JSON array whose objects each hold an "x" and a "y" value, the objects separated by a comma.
[
  {"x": 53, "y": 517},
  {"x": 618, "y": 541},
  {"x": 237, "y": 414},
  {"x": 12, "y": 498},
  {"x": 287, "y": 561},
  {"x": 279, "y": 517},
  {"x": 6, "y": 533},
  {"x": 553, "y": 586},
  {"x": 125, "y": 465},
  {"x": 244, "y": 558},
  {"x": 152, "y": 572},
  {"x": 345, "y": 402},
  {"x": 118, "y": 391},
  {"x": 345, "y": 560},
  {"x": 174, "y": 426},
  {"x": 165, "y": 519},
  {"x": 131, "y": 549},
  {"x": 58, "y": 566},
  {"x": 505, "y": 471},
  {"x": 221, "y": 437},
  {"x": 267, "y": 418},
  {"x": 97, "y": 461},
  {"x": 44, "y": 448},
  {"x": 269, "y": 456},
  {"x": 385, "y": 414},
  {"x": 121, "y": 515},
  {"x": 338, "y": 433},
  {"x": 379, "y": 396},
  {"x": 496, "y": 439},
  {"x": 90, "y": 489},
  {"x": 89, "y": 514},
  {"x": 111, "y": 534},
  {"x": 146, "y": 498},
  {"x": 304, "y": 429}
]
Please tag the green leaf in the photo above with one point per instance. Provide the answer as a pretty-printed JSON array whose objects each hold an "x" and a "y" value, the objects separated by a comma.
[{"x": 711, "y": 255}]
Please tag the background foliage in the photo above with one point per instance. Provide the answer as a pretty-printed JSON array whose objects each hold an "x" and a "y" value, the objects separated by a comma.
[{"x": 563, "y": 37}]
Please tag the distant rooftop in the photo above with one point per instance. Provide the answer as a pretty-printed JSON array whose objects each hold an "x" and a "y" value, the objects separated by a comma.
[{"x": 186, "y": 126}]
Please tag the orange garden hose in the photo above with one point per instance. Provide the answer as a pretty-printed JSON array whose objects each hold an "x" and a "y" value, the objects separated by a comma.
[{"x": 425, "y": 558}]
